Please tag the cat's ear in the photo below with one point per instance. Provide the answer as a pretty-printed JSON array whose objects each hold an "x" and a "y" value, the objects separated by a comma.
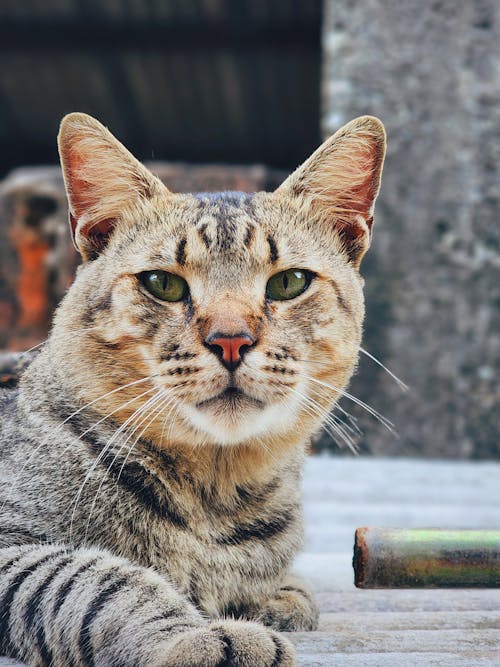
[
  {"x": 102, "y": 178},
  {"x": 341, "y": 180}
]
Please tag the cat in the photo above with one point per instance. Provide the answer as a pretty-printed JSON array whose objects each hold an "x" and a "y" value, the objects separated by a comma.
[{"x": 151, "y": 458}]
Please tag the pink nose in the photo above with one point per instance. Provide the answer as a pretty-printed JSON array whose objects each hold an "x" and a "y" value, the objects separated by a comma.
[{"x": 230, "y": 349}]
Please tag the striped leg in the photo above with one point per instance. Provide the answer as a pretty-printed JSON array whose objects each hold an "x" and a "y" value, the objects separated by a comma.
[{"x": 87, "y": 608}]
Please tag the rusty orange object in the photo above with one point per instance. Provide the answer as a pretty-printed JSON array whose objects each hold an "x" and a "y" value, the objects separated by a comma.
[
  {"x": 32, "y": 284},
  {"x": 426, "y": 558}
]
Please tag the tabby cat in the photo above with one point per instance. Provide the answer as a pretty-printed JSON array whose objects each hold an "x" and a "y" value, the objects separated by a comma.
[{"x": 151, "y": 459}]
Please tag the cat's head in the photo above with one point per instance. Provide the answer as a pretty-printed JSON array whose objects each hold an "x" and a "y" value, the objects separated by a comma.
[{"x": 245, "y": 310}]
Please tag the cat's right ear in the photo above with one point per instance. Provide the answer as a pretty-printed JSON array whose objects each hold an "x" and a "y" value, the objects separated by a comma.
[{"x": 102, "y": 178}]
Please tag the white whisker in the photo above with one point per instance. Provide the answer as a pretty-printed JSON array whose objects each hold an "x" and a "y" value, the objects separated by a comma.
[
  {"x": 102, "y": 453},
  {"x": 156, "y": 410},
  {"x": 352, "y": 426},
  {"x": 73, "y": 414},
  {"x": 399, "y": 382},
  {"x": 383, "y": 420},
  {"x": 328, "y": 420},
  {"x": 352, "y": 420},
  {"x": 149, "y": 407}
]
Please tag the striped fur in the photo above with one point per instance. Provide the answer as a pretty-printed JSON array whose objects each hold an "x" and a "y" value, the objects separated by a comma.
[{"x": 145, "y": 518}]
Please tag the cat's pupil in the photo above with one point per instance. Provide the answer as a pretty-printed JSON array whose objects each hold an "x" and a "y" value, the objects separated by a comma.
[
  {"x": 165, "y": 281},
  {"x": 285, "y": 281}
]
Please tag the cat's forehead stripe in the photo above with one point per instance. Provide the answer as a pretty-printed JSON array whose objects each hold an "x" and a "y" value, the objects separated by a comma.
[
  {"x": 180, "y": 253},
  {"x": 249, "y": 235},
  {"x": 202, "y": 233},
  {"x": 273, "y": 249},
  {"x": 226, "y": 219}
]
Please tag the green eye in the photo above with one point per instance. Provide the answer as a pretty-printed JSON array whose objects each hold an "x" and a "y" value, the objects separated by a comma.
[
  {"x": 163, "y": 285},
  {"x": 288, "y": 284}
]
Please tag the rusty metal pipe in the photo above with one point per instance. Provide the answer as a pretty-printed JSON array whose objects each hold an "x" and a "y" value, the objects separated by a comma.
[{"x": 421, "y": 558}]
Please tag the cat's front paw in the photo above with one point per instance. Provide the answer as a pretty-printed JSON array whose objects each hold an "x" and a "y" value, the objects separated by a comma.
[
  {"x": 292, "y": 609},
  {"x": 229, "y": 644}
]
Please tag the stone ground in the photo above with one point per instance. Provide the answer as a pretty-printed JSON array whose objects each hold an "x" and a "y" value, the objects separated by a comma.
[{"x": 393, "y": 628}]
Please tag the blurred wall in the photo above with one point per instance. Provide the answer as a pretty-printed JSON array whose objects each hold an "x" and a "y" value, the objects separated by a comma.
[
  {"x": 194, "y": 80},
  {"x": 431, "y": 71}
]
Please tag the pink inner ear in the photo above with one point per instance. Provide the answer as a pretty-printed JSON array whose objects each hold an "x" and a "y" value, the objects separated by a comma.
[
  {"x": 78, "y": 188},
  {"x": 95, "y": 234},
  {"x": 360, "y": 197}
]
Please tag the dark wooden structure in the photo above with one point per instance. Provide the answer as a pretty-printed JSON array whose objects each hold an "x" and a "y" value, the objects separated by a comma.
[{"x": 198, "y": 80}]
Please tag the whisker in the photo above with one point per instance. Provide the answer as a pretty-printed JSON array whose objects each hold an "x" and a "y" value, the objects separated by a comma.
[
  {"x": 101, "y": 455},
  {"x": 151, "y": 408},
  {"x": 334, "y": 428},
  {"x": 323, "y": 414},
  {"x": 120, "y": 407},
  {"x": 383, "y": 420},
  {"x": 342, "y": 392},
  {"x": 35, "y": 347},
  {"x": 399, "y": 382},
  {"x": 352, "y": 426},
  {"x": 175, "y": 410},
  {"x": 167, "y": 400},
  {"x": 73, "y": 414},
  {"x": 352, "y": 420},
  {"x": 109, "y": 393}
]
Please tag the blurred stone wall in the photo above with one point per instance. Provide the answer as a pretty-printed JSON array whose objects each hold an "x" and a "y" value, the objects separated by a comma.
[{"x": 431, "y": 71}]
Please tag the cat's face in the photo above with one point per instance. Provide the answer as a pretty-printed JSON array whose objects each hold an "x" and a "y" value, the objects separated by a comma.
[{"x": 245, "y": 310}]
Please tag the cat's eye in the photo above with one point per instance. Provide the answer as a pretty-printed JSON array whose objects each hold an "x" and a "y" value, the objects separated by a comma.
[
  {"x": 163, "y": 285},
  {"x": 288, "y": 284}
]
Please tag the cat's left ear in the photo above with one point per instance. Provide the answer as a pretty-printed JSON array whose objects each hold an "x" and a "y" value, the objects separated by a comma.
[
  {"x": 341, "y": 180},
  {"x": 102, "y": 178}
]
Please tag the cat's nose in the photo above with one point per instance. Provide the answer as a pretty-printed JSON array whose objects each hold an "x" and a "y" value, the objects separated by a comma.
[{"x": 230, "y": 349}]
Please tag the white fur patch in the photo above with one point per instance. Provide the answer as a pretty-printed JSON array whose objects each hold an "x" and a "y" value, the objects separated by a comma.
[{"x": 252, "y": 423}]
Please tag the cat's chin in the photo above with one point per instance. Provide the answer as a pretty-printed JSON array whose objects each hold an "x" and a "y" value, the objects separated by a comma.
[
  {"x": 230, "y": 400},
  {"x": 233, "y": 417}
]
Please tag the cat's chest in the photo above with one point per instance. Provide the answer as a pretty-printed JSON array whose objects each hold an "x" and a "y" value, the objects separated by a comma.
[
  {"x": 218, "y": 558},
  {"x": 221, "y": 549}
]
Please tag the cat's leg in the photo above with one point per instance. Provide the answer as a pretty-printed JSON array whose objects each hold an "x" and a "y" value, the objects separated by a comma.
[
  {"x": 292, "y": 608},
  {"x": 61, "y": 607}
]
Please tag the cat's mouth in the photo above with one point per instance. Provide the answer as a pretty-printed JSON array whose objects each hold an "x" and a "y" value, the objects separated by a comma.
[{"x": 231, "y": 397}]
